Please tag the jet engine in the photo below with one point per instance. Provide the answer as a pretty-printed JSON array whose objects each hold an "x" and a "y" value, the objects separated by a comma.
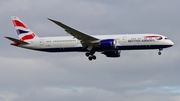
[
  {"x": 115, "y": 53},
  {"x": 108, "y": 44}
]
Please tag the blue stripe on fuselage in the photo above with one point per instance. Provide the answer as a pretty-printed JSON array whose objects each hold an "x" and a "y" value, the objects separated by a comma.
[{"x": 81, "y": 49}]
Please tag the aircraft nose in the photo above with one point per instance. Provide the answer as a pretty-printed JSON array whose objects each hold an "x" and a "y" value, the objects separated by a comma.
[{"x": 171, "y": 43}]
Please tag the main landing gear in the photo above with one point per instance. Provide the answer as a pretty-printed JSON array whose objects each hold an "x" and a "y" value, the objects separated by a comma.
[
  {"x": 90, "y": 55},
  {"x": 159, "y": 53}
]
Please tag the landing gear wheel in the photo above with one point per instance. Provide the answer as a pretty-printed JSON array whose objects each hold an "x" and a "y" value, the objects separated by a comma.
[
  {"x": 94, "y": 57},
  {"x": 87, "y": 54},
  {"x": 90, "y": 53},
  {"x": 90, "y": 58},
  {"x": 159, "y": 53}
]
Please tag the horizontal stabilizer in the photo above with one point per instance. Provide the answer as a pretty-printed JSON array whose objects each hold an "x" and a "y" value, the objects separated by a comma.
[{"x": 16, "y": 40}]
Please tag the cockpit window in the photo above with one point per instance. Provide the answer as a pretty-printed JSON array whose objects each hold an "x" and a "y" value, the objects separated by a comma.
[{"x": 166, "y": 38}]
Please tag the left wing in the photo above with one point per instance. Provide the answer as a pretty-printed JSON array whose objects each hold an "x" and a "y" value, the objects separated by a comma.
[{"x": 77, "y": 34}]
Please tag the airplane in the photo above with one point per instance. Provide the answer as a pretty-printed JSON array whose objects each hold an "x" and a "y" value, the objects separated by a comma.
[{"x": 109, "y": 45}]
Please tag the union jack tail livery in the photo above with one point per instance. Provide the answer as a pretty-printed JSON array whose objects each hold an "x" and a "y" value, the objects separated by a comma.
[{"x": 23, "y": 31}]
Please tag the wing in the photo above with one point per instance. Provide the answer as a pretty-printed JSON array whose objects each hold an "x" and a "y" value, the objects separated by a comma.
[{"x": 85, "y": 39}]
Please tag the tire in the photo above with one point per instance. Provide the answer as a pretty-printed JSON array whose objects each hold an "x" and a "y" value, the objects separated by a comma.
[
  {"x": 94, "y": 57},
  {"x": 159, "y": 53},
  {"x": 90, "y": 58},
  {"x": 87, "y": 54}
]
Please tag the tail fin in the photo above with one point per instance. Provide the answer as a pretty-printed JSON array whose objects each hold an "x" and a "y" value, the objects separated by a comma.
[{"x": 23, "y": 31}]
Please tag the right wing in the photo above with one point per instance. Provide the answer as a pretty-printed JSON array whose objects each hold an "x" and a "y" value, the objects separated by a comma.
[{"x": 86, "y": 40}]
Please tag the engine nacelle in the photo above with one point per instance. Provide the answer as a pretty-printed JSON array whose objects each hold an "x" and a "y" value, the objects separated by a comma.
[
  {"x": 108, "y": 44},
  {"x": 115, "y": 53}
]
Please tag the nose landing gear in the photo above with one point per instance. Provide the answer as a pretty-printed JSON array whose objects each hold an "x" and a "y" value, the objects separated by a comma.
[{"x": 159, "y": 53}]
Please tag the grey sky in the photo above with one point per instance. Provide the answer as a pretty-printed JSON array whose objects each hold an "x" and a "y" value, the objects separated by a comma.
[{"x": 27, "y": 75}]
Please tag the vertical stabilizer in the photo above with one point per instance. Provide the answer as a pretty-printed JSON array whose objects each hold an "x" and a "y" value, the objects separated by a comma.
[{"x": 23, "y": 31}]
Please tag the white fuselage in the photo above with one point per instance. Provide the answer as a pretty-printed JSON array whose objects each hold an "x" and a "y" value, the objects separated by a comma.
[{"x": 123, "y": 42}]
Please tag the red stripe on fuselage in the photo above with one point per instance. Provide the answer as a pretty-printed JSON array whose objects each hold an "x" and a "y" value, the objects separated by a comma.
[
  {"x": 19, "y": 24},
  {"x": 152, "y": 36}
]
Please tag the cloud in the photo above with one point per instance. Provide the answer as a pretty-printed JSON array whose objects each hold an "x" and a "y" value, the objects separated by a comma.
[
  {"x": 8, "y": 96},
  {"x": 14, "y": 6},
  {"x": 164, "y": 89},
  {"x": 89, "y": 94}
]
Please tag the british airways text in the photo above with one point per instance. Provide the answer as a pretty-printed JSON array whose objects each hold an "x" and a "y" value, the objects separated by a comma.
[{"x": 144, "y": 40}]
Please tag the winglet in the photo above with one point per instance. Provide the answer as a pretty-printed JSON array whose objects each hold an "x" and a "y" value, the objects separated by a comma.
[
  {"x": 49, "y": 19},
  {"x": 59, "y": 23}
]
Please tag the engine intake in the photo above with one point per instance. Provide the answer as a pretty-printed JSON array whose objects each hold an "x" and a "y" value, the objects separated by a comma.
[{"x": 108, "y": 44}]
